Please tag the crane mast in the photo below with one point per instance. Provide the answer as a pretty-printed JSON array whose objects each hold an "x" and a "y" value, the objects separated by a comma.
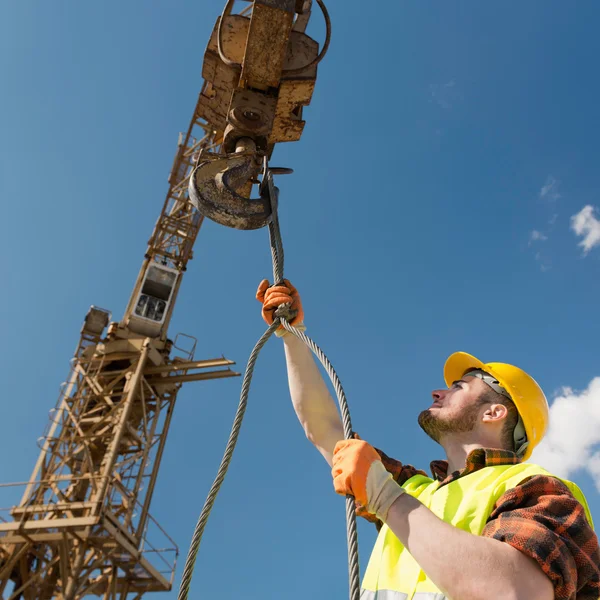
[{"x": 81, "y": 525}]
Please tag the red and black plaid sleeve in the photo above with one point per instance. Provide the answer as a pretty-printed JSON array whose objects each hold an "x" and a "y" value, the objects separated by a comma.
[
  {"x": 542, "y": 519},
  {"x": 401, "y": 473}
]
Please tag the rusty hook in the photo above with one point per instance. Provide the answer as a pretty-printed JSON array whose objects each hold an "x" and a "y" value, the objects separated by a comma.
[{"x": 212, "y": 190}]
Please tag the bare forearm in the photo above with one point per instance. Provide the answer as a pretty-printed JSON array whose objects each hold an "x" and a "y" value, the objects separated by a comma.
[
  {"x": 465, "y": 566},
  {"x": 314, "y": 406}
]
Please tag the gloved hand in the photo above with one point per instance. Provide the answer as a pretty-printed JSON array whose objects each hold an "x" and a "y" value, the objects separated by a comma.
[
  {"x": 272, "y": 297},
  {"x": 358, "y": 471}
]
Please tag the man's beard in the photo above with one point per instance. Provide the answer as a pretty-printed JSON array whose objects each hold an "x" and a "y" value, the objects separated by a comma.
[{"x": 436, "y": 427}]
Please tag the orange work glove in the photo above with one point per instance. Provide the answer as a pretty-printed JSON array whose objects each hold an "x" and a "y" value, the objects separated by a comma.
[
  {"x": 272, "y": 296},
  {"x": 358, "y": 471}
]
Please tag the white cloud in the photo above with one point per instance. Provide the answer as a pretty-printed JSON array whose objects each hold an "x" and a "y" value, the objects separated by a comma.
[
  {"x": 573, "y": 440},
  {"x": 586, "y": 225},
  {"x": 549, "y": 190},
  {"x": 537, "y": 236}
]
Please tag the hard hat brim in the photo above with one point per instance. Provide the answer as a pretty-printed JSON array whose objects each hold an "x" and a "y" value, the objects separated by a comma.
[{"x": 458, "y": 364}]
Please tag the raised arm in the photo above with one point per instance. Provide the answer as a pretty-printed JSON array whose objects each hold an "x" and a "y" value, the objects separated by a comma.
[
  {"x": 314, "y": 406},
  {"x": 316, "y": 409}
]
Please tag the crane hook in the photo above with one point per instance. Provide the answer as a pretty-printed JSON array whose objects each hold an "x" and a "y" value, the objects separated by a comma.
[{"x": 212, "y": 189}]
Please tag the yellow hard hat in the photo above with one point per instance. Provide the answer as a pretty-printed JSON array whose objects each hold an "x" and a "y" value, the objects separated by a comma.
[{"x": 522, "y": 388}]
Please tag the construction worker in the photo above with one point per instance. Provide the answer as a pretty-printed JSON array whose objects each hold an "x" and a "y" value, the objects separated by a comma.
[{"x": 486, "y": 524}]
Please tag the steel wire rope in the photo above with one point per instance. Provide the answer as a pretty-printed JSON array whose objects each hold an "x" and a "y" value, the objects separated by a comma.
[{"x": 281, "y": 318}]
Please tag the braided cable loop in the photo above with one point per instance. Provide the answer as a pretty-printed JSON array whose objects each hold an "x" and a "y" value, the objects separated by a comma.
[
  {"x": 282, "y": 315},
  {"x": 190, "y": 561}
]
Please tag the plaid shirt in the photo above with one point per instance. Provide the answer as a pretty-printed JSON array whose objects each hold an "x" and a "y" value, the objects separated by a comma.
[{"x": 540, "y": 517}]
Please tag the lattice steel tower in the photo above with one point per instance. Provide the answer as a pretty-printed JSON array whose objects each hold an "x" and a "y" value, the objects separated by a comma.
[{"x": 82, "y": 526}]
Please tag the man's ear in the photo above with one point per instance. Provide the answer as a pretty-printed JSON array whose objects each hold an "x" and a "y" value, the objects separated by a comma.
[{"x": 494, "y": 412}]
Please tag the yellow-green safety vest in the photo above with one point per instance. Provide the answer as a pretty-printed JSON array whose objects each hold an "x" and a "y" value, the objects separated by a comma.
[{"x": 466, "y": 503}]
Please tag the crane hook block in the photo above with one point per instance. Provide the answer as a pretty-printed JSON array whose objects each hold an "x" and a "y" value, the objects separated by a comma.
[{"x": 212, "y": 190}]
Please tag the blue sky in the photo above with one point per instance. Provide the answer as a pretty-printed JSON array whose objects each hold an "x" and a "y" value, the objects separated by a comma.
[{"x": 438, "y": 204}]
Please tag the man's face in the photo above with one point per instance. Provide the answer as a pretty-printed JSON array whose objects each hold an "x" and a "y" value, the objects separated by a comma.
[{"x": 455, "y": 410}]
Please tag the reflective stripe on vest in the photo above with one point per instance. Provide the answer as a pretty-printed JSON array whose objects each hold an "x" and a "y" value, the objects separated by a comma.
[
  {"x": 391, "y": 595},
  {"x": 465, "y": 503}
]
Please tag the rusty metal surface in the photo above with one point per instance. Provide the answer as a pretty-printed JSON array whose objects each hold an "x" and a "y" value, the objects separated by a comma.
[
  {"x": 303, "y": 8},
  {"x": 260, "y": 73},
  {"x": 221, "y": 79},
  {"x": 224, "y": 86},
  {"x": 285, "y": 5},
  {"x": 267, "y": 43},
  {"x": 302, "y": 50},
  {"x": 288, "y": 124},
  {"x": 212, "y": 191},
  {"x": 251, "y": 115},
  {"x": 295, "y": 92}
]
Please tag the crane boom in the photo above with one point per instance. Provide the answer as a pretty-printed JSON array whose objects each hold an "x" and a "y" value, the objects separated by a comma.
[{"x": 170, "y": 247}]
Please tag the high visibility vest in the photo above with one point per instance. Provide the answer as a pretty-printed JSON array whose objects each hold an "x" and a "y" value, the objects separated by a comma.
[{"x": 466, "y": 503}]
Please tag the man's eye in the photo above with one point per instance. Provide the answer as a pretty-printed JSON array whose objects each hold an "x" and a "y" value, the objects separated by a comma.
[{"x": 457, "y": 384}]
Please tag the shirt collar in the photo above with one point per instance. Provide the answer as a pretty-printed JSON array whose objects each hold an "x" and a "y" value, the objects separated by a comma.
[{"x": 476, "y": 459}]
